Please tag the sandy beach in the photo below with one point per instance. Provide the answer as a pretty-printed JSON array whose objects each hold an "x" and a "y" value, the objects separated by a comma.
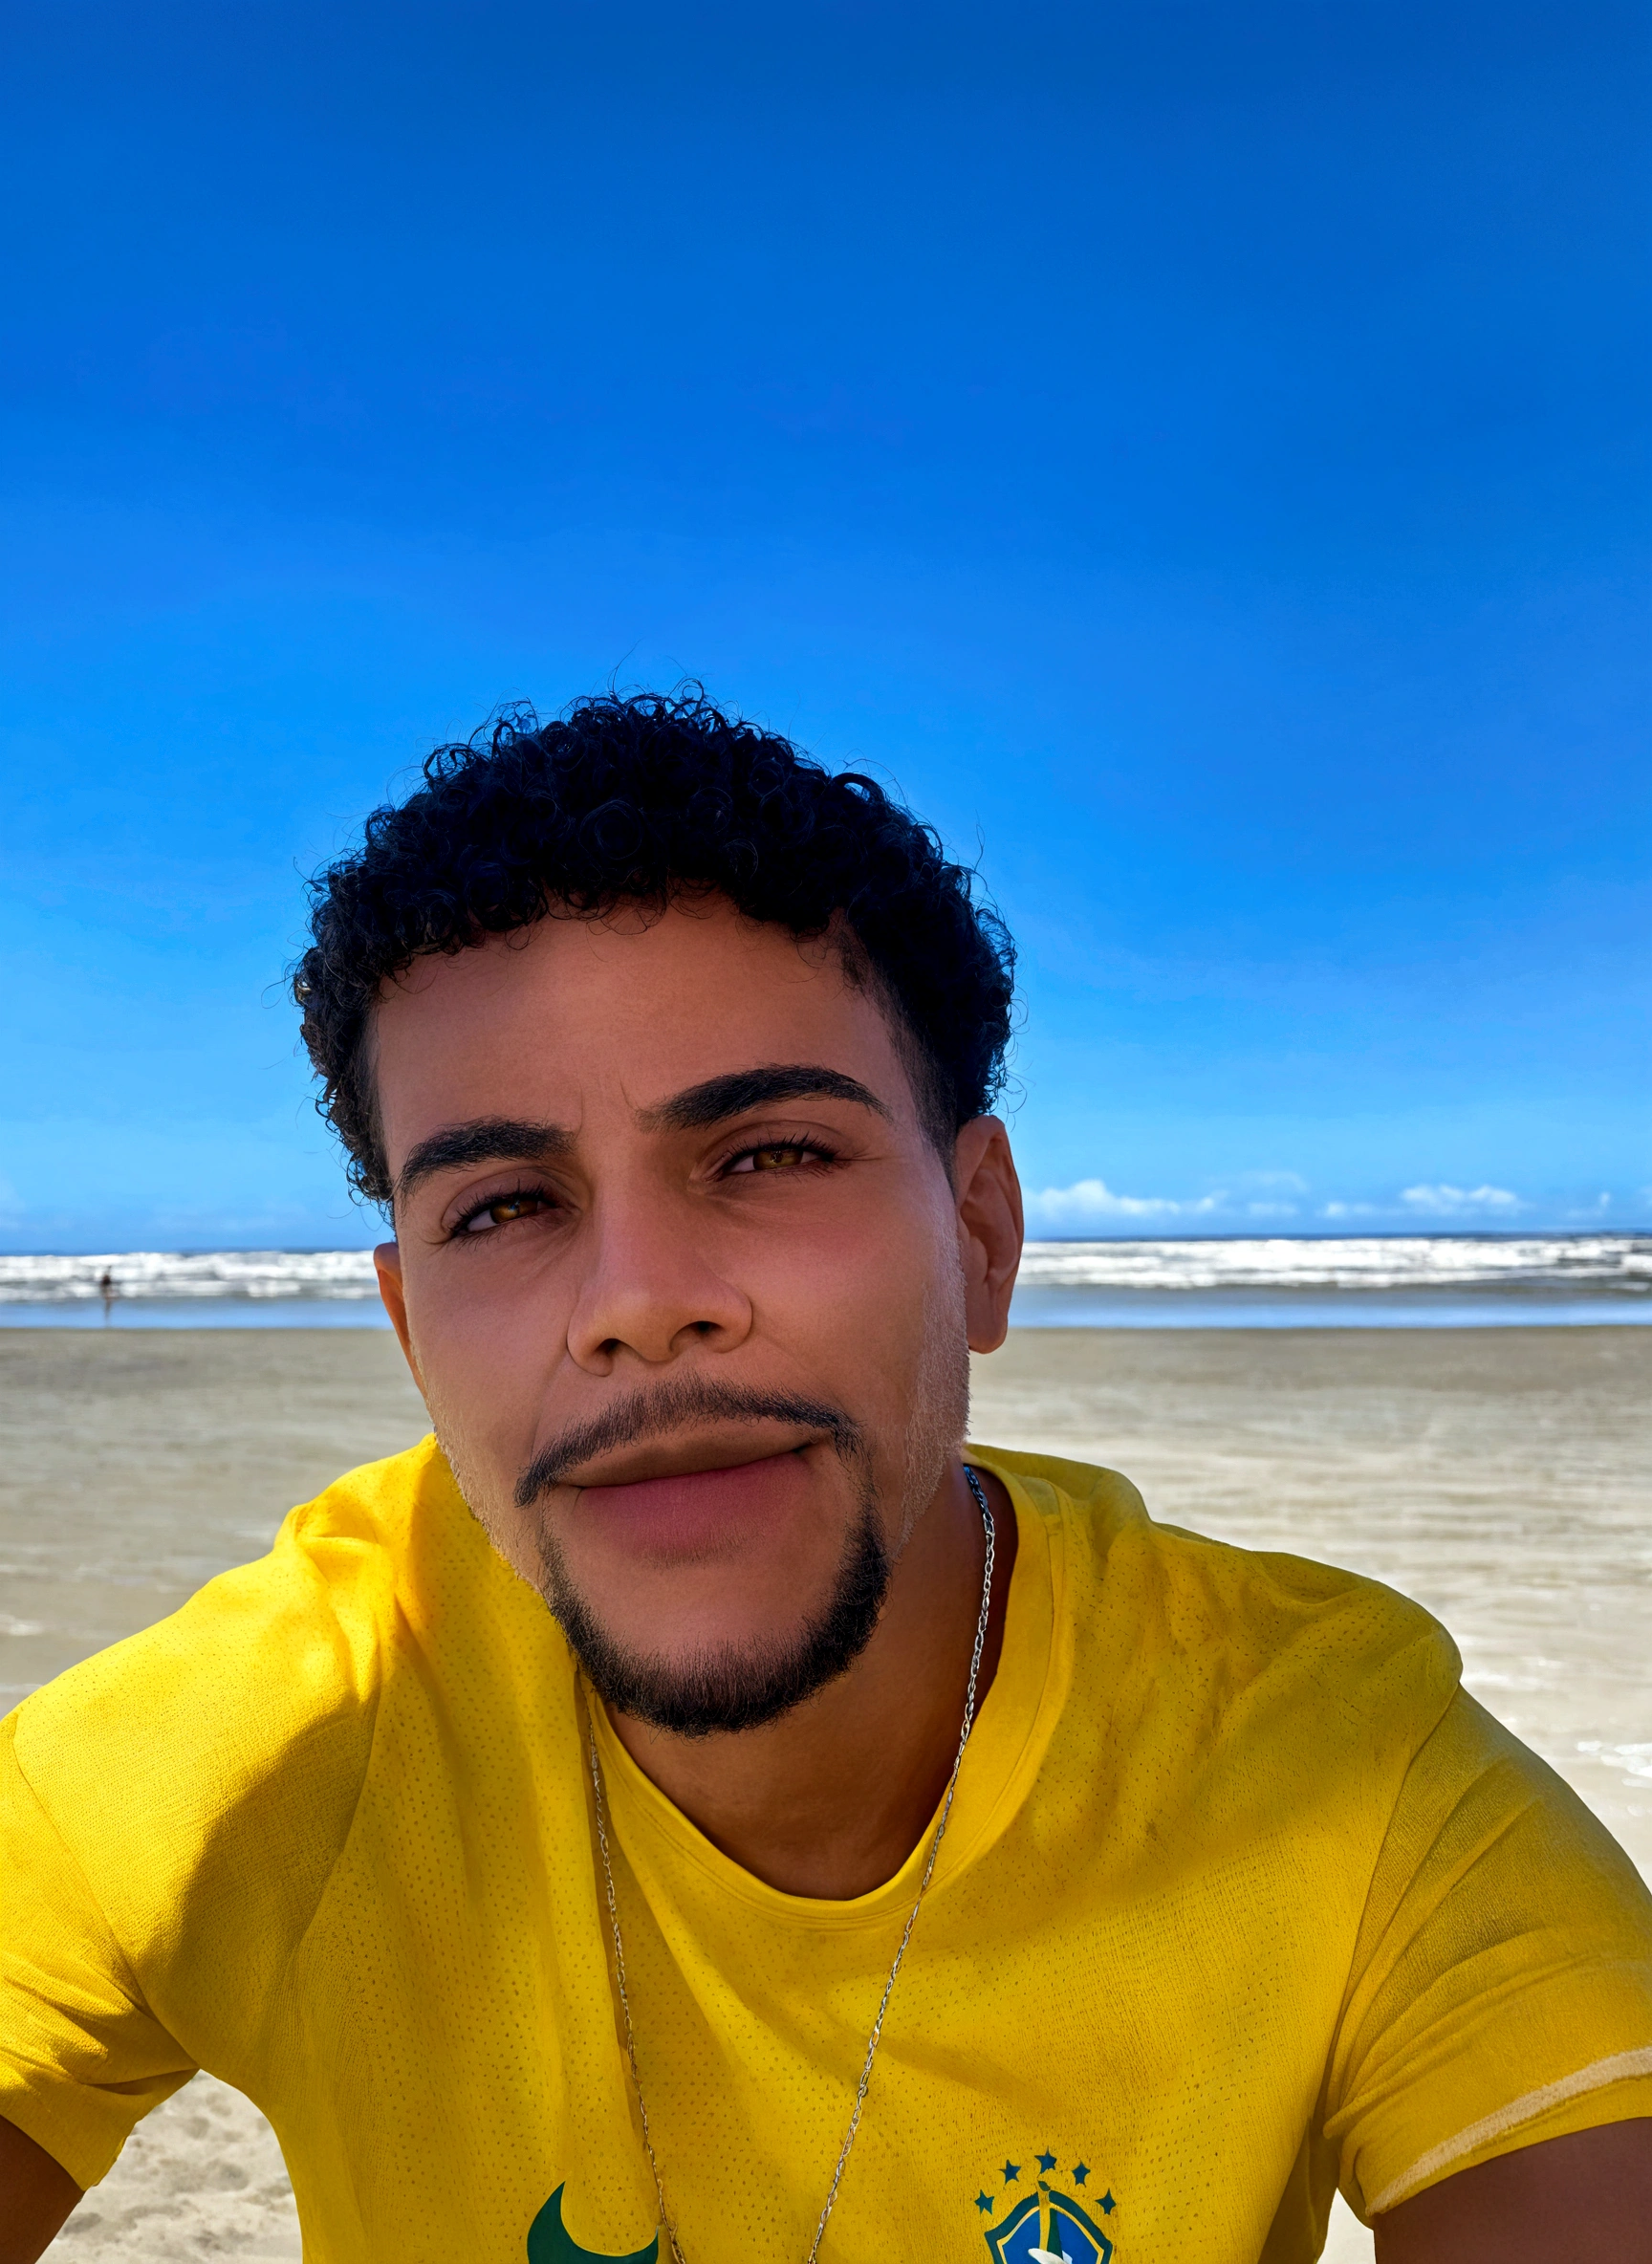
[{"x": 1502, "y": 1477}]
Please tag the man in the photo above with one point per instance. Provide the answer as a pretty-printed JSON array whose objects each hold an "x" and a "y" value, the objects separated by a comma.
[{"x": 878, "y": 1847}]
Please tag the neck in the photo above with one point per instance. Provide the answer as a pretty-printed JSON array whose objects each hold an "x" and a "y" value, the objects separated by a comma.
[{"x": 830, "y": 1801}]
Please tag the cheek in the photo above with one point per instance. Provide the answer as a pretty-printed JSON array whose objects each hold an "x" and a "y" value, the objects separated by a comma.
[
  {"x": 486, "y": 1363},
  {"x": 860, "y": 1288}
]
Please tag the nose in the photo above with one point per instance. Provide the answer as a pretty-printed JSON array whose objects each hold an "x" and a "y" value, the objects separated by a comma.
[{"x": 652, "y": 1290}]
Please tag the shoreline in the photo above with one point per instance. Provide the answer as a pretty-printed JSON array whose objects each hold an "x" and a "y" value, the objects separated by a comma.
[{"x": 1034, "y": 1309}]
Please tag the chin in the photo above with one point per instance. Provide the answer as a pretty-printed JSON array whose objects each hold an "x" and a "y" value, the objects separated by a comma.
[{"x": 718, "y": 1675}]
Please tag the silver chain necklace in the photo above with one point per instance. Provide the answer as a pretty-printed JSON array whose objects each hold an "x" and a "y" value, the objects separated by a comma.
[{"x": 667, "y": 2226}]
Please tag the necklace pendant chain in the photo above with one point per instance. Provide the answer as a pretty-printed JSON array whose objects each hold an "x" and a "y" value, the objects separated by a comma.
[{"x": 667, "y": 2226}]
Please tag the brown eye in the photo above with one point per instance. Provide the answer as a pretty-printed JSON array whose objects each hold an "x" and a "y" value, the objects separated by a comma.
[
  {"x": 505, "y": 1212},
  {"x": 776, "y": 1159}
]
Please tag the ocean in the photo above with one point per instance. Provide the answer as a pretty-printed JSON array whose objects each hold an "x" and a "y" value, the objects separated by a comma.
[{"x": 1274, "y": 1281}]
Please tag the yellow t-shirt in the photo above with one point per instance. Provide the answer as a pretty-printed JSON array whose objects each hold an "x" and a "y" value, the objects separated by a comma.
[{"x": 1241, "y": 1897}]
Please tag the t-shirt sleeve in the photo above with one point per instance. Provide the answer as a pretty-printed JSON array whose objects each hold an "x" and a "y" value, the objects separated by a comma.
[
  {"x": 82, "y": 2059},
  {"x": 1501, "y": 1986}
]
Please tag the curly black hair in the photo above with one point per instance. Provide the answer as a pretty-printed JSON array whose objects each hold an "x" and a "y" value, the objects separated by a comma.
[{"x": 640, "y": 800}]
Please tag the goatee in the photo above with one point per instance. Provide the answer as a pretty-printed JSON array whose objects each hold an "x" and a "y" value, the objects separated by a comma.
[{"x": 729, "y": 1688}]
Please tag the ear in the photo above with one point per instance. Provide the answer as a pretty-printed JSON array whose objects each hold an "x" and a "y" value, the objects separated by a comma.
[
  {"x": 990, "y": 1227},
  {"x": 387, "y": 1260}
]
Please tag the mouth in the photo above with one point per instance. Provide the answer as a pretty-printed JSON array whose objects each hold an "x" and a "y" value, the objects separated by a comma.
[
  {"x": 694, "y": 1510},
  {"x": 713, "y": 1447}
]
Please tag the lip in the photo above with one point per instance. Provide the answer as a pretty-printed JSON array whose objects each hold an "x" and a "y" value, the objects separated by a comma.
[{"x": 688, "y": 1514}]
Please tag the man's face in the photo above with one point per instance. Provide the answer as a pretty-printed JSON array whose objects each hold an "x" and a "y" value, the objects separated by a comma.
[{"x": 683, "y": 1283}]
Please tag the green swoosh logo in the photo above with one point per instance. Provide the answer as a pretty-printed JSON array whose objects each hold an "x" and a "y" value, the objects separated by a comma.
[{"x": 550, "y": 2242}]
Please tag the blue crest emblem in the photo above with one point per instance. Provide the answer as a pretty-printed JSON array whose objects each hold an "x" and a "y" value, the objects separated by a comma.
[{"x": 1043, "y": 2224}]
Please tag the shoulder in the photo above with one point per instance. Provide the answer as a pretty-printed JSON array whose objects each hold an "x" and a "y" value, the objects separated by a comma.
[
  {"x": 1500, "y": 1990},
  {"x": 249, "y": 1712},
  {"x": 1258, "y": 1637}
]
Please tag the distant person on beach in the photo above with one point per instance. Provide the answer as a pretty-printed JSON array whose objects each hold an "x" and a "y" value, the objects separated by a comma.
[
  {"x": 695, "y": 1807},
  {"x": 106, "y": 1291}
]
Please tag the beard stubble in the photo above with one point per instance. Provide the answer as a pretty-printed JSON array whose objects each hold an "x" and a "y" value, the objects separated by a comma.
[{"x": 737, "y": 1686}]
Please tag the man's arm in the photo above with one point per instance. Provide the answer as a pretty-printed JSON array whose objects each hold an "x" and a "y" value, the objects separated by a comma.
[
  {"x": 1583, "y": 2199},
  {"x": 36, "y": 2195}
]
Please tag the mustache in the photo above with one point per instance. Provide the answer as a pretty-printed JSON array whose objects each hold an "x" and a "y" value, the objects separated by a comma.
[{"x": 655, "y": 1413}]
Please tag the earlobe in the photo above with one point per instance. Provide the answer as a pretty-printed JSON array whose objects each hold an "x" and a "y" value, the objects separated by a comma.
[
  {"x": 989, "y": 1229},
  {"x": 387, "y": 1263}
]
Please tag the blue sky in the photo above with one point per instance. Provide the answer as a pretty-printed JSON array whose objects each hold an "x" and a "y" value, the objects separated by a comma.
[{"x": 1197, "y": 452}]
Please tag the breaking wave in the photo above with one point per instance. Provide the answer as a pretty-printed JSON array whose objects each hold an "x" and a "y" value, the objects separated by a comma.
[
  {"x": 1380, "y": 1280},
  {"x": 257, "y": 1275},
  {"x": 1565, "y": 1263}
]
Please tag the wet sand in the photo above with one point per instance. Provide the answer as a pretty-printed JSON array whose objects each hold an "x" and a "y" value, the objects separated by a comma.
[{"x": 1502, "y": 1477}]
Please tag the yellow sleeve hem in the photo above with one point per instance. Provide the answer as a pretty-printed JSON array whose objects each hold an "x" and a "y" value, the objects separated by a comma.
[
  {"x": 70, "y": 2126},
  {"x": 1615, "y": 2089}
]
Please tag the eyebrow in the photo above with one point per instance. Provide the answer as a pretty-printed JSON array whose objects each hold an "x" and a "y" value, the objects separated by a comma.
[
  {"x": 697, "y": 1107},
  {"x": 524, "y": 1139},
  {"x": 484, "y": 1140}
]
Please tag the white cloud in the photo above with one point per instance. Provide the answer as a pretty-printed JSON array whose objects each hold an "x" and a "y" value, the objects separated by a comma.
[
  {"x": 1255, "y": 1202},
  {"x": 1091, "y": 1201},
  {"x": 1448, "y": 1198}
]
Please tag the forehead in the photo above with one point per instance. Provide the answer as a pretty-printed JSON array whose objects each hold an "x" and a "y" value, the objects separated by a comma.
[{"x": 546, "y": 1021}]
